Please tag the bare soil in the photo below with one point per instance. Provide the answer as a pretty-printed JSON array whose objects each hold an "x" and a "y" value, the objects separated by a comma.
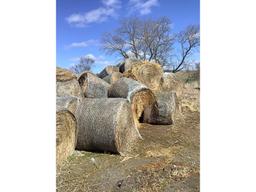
[{"x": 167, "y": 159}]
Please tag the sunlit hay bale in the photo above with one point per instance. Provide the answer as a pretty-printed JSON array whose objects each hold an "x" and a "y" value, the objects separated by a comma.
[
  {"x": 66, "y": 135},
  {"x": 67, "y": 84},
  {"x": 108, "y": 71},
  {"x": 113, "y": 77},
  {"x": 142, "y": 99},
  {"x": 171, "y": 83},
  {"x": 168, "y": 108},
  {"x": 148, "y": 73},
  {"x": 105, "y": 124},
  {"x": 93, "y": 86},
  {"x": 68, "y": 102}
]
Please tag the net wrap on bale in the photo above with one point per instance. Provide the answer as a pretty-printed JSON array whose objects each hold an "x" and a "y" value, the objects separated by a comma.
[
  {"x": 68, "y": 102},
  {"x": 105, "y": 124},
  {"x": 92, "y": 86},
  {"x": 142, "y": 99}
]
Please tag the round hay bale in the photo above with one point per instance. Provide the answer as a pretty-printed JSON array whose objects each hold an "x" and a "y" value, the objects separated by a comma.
[
  {"x": 105, "y": 124},
  {"x": 67, "y": 84},
  {"x": 142, "y": 99},
  {"x": 66, "y": 135},
  {"x": 108, "y": 71},
  {"x": 92, "y": 86},
  {"x": 171, "y": 83},
  {"x": 148, "y": 73},
  {"x": 168, "y": 108},
  {"x": 67, "y": 102},
  {"x": 113, "y": 77}
]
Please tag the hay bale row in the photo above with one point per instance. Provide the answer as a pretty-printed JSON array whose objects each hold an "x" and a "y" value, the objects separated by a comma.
[
  {"x": 92, "y": 86},
  {"x": 105, "y": 124},
  {"x": 143, "y": 102}
]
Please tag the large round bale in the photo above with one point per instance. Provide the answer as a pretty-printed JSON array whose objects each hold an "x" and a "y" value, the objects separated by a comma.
[
  {"x": 108, "y": 71},
  {"x": 68, "y": 102},
  {"x": 171, "y": 83},
  {"x": 142, "y": 99},
  {"x": 67, "y": 84},
  {"x": 113, "y": 77},
  {"x": 66, "y": 134},
  {"x": 105, "y": 124},
  {"x": 168, "y": 107},
  {"x": 92, "y": 86},
  {"x": 148, "y": 73}
]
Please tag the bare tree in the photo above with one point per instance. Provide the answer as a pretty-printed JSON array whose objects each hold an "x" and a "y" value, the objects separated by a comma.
[
  {"x": 189, "y": 40},
  {"x": 83, "y": 65},
  {"x": 145, "y": 39}
]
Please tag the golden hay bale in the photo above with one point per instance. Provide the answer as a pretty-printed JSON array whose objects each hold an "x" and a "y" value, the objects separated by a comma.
[
  {"x": 105, "y": 124},
  {"x": 67, "y": 102},
  {"x": 66, "y": 135},
  {"x": 148, "y": 73},
  {"x": 168, "y": 107},
  {"x": 108, "y": 71},
  {"x": 113, "y": 77},
  {"x": 142, "y": 99},
  {"x": 67, "y": 84},
  {"x": 92, "y": 86}
]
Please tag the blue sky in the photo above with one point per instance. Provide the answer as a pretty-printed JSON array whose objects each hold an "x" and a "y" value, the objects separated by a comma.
[{"x": 81, "y": 23}]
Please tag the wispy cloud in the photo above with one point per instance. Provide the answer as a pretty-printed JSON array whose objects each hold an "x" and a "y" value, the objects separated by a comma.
[
  {"x": 83, "y": 44},
  {"x": 143, "y": 6},
  {"x": 99, "y": 60},
  {"x": 106, "y": 11}
]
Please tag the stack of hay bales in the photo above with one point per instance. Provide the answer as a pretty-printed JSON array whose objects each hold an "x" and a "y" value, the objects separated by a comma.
[
  {"x": 92, "y": 86},
  {"x": 113, "y": 77},
  {"x": 105, "y": 124},
  {"x": 108, "y": 71},
  {"x": 142, "y": 99}
]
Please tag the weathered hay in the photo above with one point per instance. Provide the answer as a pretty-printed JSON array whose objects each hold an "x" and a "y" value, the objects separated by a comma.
[
  {"x": 105, "y": 124},
  {"x": 108, "y": 71},
  {"x": 66, "y": 135},
  {"x": 168, "y": 107},
  {"x": 148, "y": 73},
  {"x": 171, "y": 83},
  {"x": 113, "y": 77},
  {"x": 92, "y": 86},
  {"x": 142, "y": 99},
  {"x": 67, "y": 102},
  {"x": 67, "y": 84}
]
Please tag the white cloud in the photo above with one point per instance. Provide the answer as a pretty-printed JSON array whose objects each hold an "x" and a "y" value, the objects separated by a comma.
[
  {"x": 143, "y": 6},
  {"x": 83, "y": 44},
  {"x": 98, "y": 15},
  {"x": 99, "y": 60}
]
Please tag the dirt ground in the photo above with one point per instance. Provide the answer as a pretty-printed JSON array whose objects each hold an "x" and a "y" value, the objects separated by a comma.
[{"x": 167, "y": 159}]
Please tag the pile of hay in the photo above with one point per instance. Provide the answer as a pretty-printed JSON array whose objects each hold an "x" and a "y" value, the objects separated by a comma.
[
  {"x": 105, "y": 124},
  {"x": 168, "y": 108},
  {"x": 92, "y": 86},
  {"x": 108, "y": 71},
  {"x": 142, "y": 99},
  {"x": 148, "y": 73},
  {"x": 67, "y": 84},
  {"x": 66, "y": 135},
  {"x": 113, "y": 77}
]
